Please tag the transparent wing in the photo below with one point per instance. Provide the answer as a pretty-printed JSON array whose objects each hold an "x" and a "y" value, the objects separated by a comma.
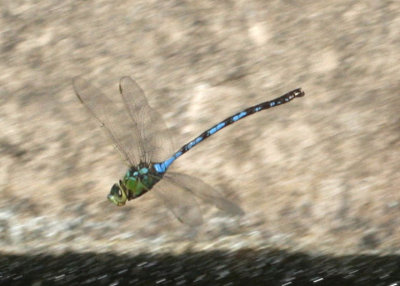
[
  {"x": 156, "y": 143},
  {"x": 113, "y": 118},
  {"x": 179, "y": 193},
  {"x": 205, "y": 192},
  {"x": 179, "y": 201}
]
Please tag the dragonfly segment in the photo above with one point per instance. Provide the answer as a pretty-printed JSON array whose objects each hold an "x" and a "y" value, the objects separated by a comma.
[{"x": 163, "y": 166}]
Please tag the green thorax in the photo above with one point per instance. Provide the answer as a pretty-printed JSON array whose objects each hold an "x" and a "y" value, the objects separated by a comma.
[{"x": 139, "y": 179}]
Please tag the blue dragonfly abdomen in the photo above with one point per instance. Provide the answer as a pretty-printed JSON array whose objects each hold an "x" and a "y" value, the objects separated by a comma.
[{"x": 163, "y": 166}]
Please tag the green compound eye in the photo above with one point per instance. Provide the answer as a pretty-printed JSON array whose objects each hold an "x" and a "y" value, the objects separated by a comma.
[{"x": 117, "y": 195}]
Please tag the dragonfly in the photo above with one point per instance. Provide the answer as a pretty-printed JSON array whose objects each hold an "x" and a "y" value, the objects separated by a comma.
[{"x": 144, "y": 142}]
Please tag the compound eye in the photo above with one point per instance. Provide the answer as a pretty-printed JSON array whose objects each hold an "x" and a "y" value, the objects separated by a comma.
[
  {"x": 117, "y": 195},
  {"x": 116, "y": 190}
]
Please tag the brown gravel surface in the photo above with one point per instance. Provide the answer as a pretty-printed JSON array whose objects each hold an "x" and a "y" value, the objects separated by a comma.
[{"x": 320, "y": 174}]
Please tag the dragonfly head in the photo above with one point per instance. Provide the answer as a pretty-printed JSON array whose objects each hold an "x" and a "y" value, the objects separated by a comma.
[{"x": 117, "y": 195}]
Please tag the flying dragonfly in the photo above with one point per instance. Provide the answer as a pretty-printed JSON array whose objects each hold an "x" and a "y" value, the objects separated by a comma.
[{"x": 144, "y": 141}]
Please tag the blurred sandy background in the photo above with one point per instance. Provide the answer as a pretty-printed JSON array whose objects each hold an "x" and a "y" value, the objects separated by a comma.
[{"x": 320, "y": 174}]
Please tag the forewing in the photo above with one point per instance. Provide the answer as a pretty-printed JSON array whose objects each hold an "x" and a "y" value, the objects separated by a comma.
[
  {"x": 113, "y": 117},
  {"x": 179, "y": 201},
  {"x": 205, "y": 192},
  {"x": 156, "y": 143}
]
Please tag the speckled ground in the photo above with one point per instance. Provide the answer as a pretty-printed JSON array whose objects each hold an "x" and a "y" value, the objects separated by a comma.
[
  {"x": 319, "y": 175},
  {"x": 244, "y": 267}
]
